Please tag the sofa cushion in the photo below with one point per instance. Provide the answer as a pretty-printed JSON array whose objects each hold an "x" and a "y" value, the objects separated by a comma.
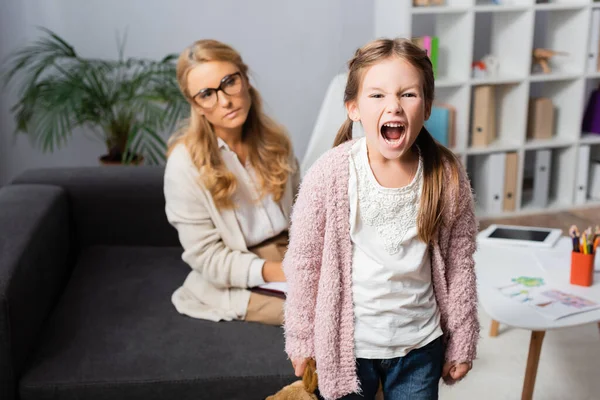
[
  {"x": 117, "y": 205},
  {"x": 115, "y": 334}
]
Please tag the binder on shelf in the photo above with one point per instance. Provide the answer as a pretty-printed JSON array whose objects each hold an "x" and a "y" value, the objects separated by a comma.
[
  {"x": 483, "y": 126},
  {"x": 541, "y": 178},
  {"x": 489, "y": 182},
  {"x": 441, "y": 124},
  {"x": 593, "y": 59},
  {"x": 581, "y": 177},
  {"x": 594, "y": 172},
  {"x": 540, "y": 121},
  {"x": 591, "y": 117},
  {"x": 511, "y": 168}
]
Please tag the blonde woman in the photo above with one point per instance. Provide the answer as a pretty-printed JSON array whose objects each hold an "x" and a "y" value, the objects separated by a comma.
[{"x": 230, "y": 180}]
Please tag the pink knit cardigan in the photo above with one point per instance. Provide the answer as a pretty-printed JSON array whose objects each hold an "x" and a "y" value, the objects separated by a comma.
[{"x": 319, "y": 313}]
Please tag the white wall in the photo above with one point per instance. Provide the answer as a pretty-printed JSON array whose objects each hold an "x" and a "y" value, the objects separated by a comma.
[{"x": 294, "y": 48}]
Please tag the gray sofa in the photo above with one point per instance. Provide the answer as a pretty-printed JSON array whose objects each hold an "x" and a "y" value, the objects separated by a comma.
[{"x": 88, "y": 263}]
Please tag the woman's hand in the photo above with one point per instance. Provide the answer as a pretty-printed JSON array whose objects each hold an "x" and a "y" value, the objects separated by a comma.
[
  {"x": 273, "y": 272},
  {"x": 299, "y": 366},
  {"x": 455, "y": 371}
]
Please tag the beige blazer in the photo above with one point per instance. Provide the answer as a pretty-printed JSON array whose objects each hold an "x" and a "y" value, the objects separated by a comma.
[{"x": 213, "y": 243}]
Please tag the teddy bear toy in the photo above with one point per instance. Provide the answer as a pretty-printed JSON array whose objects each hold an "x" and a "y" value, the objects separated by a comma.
[{"x": 300, "y": 390}]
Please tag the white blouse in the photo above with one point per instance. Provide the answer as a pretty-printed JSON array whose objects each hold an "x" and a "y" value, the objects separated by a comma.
[
  {"x": 394, "y": 303},
  {"x": 259, "y": 219}
]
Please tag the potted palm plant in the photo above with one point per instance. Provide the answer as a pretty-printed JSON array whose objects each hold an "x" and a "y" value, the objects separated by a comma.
[{"x": 126, "y": 103}]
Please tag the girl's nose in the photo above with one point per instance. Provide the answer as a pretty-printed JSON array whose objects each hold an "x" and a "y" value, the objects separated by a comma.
[{"x": 394, "y": 107}]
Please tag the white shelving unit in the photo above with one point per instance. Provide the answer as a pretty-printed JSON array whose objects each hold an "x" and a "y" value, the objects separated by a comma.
[{"x": 468, "y": 30}]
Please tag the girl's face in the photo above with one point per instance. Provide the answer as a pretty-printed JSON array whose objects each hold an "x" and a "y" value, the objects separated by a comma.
[
  {"x": 220, "y": 93},
  {"x": 391, "y": 107}
]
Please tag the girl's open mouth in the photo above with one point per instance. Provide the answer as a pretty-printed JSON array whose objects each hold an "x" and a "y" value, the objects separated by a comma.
[{"x": 393, "y": 132}]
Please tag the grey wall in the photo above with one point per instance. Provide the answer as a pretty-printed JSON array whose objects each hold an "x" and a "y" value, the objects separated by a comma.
[{"x": 293, "y": 49}]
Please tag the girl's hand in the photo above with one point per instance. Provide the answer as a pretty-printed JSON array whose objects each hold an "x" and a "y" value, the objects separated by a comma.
[
  {"x": 455, "y": 372},
  {"x": 299, "y": 366}
]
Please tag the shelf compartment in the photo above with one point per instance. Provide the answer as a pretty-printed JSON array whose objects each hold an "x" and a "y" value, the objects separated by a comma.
[
  {"x": 564, "y": 31},
  {"x": 566, "y": 101},
  {"x": 494, "y": 178},
  {"x": 587, "y": 178},
  {"x": 548, "y": 178},
  {"x": 453, "y": 64},
  {"x": 508, "y": 123},
  {"x": 506, "y": 36},
  {"x": 458, "y": 98}
]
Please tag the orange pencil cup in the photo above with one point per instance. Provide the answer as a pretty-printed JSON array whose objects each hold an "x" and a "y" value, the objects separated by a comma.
[{"x": 582, "y": 269}]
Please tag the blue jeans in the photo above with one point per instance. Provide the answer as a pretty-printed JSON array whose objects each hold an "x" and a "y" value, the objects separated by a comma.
[{"x": 415, "y": 376}]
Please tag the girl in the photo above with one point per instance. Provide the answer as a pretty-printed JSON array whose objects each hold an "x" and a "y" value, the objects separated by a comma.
[
  {"x": 380, "y": 263},
  {"x": 229, "y": 183}
]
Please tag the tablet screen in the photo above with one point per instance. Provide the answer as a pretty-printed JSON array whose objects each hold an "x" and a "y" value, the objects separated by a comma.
[{"x": 519, "y": 234}]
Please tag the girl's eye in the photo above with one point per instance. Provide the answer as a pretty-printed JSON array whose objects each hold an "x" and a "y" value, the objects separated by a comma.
[
  {"x": 376, "y": 96},
  {"x": 409, "y": 95}
]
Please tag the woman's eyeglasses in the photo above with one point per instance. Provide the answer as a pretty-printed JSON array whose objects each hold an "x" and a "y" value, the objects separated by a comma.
[{"x": 230, "y": 85}]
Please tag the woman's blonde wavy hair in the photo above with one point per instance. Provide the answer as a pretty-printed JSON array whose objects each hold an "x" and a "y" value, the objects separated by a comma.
[{"x": 269, "y": 147}]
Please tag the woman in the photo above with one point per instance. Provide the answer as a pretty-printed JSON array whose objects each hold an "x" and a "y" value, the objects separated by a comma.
[{"x": 230, "y": 181}]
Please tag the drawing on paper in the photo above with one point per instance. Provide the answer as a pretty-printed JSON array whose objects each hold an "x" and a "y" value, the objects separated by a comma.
[
  {"x": 549, "y": 301},
  {"x": 567, "y": 299},
  {"x": 520, "y": 287}
]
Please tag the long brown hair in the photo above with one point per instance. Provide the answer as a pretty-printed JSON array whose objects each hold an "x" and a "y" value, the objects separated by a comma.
[
  {"x": 434, "y": 154},
  {"x": 269, "y": 147}
]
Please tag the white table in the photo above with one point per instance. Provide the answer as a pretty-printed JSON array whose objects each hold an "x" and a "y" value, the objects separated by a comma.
[{"x": 495, "y": 264}]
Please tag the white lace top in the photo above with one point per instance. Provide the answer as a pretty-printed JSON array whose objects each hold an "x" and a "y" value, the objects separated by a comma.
[{"x": 394, "y": 303}]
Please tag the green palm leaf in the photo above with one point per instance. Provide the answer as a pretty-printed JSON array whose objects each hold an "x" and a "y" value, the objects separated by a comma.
[{"x": 132, "y": 101}]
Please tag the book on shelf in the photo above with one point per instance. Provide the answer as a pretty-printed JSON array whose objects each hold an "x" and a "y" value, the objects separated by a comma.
[
  {"x": 430, "y": 44},
  {"x": 441, "y": 124},
  {"x": 425, "y": 3}
]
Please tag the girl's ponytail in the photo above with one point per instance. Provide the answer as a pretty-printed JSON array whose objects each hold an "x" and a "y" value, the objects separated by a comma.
[
  {"x": 433, "y": 202},
  {"x": 344, "y": 133}
]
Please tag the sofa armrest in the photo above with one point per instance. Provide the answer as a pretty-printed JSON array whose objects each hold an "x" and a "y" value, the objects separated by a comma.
[{"x": 34, "y": 266}]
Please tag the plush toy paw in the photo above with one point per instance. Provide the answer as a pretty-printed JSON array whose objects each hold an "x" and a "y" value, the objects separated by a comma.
[
  {"x": 300, "y": 390},
  {"x": 294, "y": 391}
]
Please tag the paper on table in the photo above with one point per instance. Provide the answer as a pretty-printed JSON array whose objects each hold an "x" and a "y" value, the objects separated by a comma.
[{"x": 546, "y": 300}]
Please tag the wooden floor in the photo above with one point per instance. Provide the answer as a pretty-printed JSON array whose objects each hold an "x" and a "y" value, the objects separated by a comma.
[{"x": 560, "y": 220}]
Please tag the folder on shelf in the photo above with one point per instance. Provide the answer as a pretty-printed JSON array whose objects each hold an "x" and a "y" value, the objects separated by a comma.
[
  {"x": 540, "y": 121},
  {"x": 441, "y": 124},
  {"x": 489, "y": 182},
  {"x": 483, "y": 125},
  {"x": 541, "y": 178},
  {"x": 594, "y": 172},
  {"x": 594, "y": 42},
  {"x": 581, "y": 177},
  {"x": 591, "y": 117},
  {"x": 510, "y": 181}
]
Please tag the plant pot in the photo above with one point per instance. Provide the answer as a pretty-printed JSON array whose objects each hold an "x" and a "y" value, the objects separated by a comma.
[{"x": 104, "y": 160}]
